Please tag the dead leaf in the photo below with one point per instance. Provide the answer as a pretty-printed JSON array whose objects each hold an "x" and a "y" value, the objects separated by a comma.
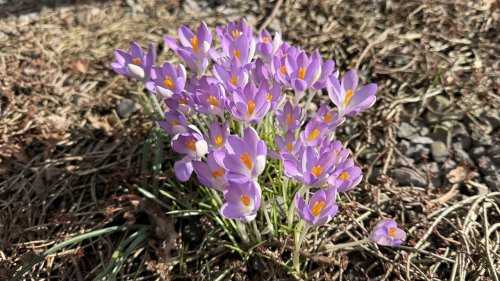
[
  {"x": 97, "y": 123},
  {"x": 460, "y": 174}
]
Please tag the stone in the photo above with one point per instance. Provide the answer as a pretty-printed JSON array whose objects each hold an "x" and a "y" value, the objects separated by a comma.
[
  {"x": 418, "y": 152},
  {"x": 462, "y": 157},
  {"x": 439, "y": 151},
  {"x": 408, "y": 177},
  {"x": 440, "y": 103},
  {"x": 126, "y": 107},
  {"x": 493, "y": 182},
  {"x": 478, "y": 152},
  {"x": 493, "y": 117},
  {"x": 406, "y": 131},
  {"x": 486, "y": 166},
  {"x": 404, "y": 146},
  {"x": 422, "y": 140},
  {"x": 440, "y": 133},
  {"x": 403, "y": 161},
  {"x": 494, "y": 153},
  {"x": 479, "y": 138},
  {"x": 449, "y": 164}
]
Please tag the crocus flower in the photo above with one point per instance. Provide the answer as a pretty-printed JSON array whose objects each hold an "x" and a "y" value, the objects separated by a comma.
[
  {"x": 194, "y": 47},
  {"x": 243, "y": 158},
  {"x": 327, "y": 68},
  {"x": 266, "y": 45},
  {"x": 346, "y": 176},
  {"x": 174, "y": 123},
  {"x": 312, "y": 168},
  {"x": 345, "y": 95},
  {"x": 290, "y": 118},
  {"x": 288, "y": 143},
  {"x": 167, "y": 80},
  {"x": 314, "y": 132},
  {"x": 182, "y": 102},
  {"x": 259, "y": 71},
  {"x": 210, "y": 174},
  {"x": 135, "y": 64},
  {"x": 330, "y": 117},
  {"x": 251, "y": 103},
  {"x": 211, "y": 100},
  {"x": 303, "y": 72},
  {"x": 243, "y": 201},
  {"x": 279, "y": 66},
  {"x": 232, "y": 32},
  {"x": 387, "y": 233},
  {"x": 321, "y": 208},
  {"x": 193, "y": 146},
  {"x": 218, "y": 135},
  {"x": 236, "y": 76}
]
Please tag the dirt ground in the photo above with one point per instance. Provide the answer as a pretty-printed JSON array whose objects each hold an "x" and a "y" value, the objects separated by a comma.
[{"x": 71, "y": 150}]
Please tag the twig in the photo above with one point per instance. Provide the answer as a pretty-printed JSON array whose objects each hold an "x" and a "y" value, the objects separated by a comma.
[{"x": 273, "y": 14}]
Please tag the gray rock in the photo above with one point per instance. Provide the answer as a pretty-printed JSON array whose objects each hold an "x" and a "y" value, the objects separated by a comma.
[
  {"x": 460, "y": 134},
  {"x": 439, "y": 151},
  {"x": 440, "y": 103},
  {"x": 408, "y": 177},
  {"x": 406, "y": 131},
  {"x": 449, "y": 164},
  {"x": 486, "y": 166},
  {"x": 462, "y": 157},
  {"x": 493, "y": 182},
  {"x": 418, "y": 152},
  {"x": 494, "y": 153},
  {"x": 439, "y": 134},
  {"x": 478, "y": 152},
  {"x": 402, "y": 161},
  {"x": 493, "y": 117},
  {"x": 127, "y": 107},
  {"x": 479, "y": 138},
  {"x": 404, "y": 146},
  {"x": 422, "y": 140}
]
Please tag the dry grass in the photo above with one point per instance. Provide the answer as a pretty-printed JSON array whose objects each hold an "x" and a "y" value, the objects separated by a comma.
[{"x": 68, "y": 162}]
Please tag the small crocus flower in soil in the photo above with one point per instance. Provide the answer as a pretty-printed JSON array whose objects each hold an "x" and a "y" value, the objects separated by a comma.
[
  {"x": 194, "y": 47},
  {"x": 135, "y": 64},
  {"x": 251, "y": 103},
  {"x": 290, "y": 118},
  {"x": 243, "y": 201},
  {"x": 210, "y": 174},
  {"x": 330, "y": 117},
  {"x": 211, "y": 101},
  {"x": 346, "y": 176},
  {"x": 193, "y": 146},
  {"x": 218, "y": 135},
  {"x": 243, "y": 158},
  {"x": 312, "y": 168},
  {"x": 321, "y": 208},
  {"x": 175, "y": 123},
  {"x": 167, "y": 80},
  {"x": 345, "y": 95},
  {"x": 387, "y": 233},
  {"x": 314, "y": 132}
]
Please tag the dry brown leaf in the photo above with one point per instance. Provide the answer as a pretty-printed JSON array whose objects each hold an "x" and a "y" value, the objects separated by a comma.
[
  {"x": 460, "y": 174},
  {"x": 97, "y": 123}
]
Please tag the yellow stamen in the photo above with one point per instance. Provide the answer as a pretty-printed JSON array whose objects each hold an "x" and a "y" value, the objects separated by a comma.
[
  {"x": 194, "y": 44},
  {"x": 245, "y": 200},
  {"x": 213, "y": 101},
  {"x": 317, "y": 208},
  {"x": 344, "y": 176},
  {"x": 237, "y": 54},
  {"x": 250, "y": 107},
  {"x": 348, "y": 96},
  {"x": 313, "y": 135},
  {"x": 191, "y": 144},
  {"x": 168, "y": 82},
  {"x": 136, "y": 61},
  {"x": 289, "y": 119},
  {"x": 283, "y": 69},
  {"x": 235, "y": 33},
  {"x": 392, "y": 231},
  {"x": 245, "y": 158},
  {"x": 269, "y": 97},
  {"x": 183, "y": 101},
  {"x": 302, "y": 73},
  {"x": 233, "y": 80},
  {"x": 217, "y": 173},
  {"x": 265, "y": 39},
  {"x": 218, "y": 141},
  {"x": 317, "y": 170},
  {"x": 175, "y": 122},
  {"x": 289, "y": 147},
  {"x": 328, "y": 117}
]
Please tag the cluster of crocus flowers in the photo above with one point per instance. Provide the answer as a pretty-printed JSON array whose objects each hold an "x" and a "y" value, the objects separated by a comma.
[{"x": 217, "y": 100}]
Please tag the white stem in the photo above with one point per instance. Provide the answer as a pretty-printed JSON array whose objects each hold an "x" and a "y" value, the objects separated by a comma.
[
  {"x": 243, "y": 231},
  {"x": 296, "y": 252},
  {"x": 349, "y": 244},
  {"x": 291, "y": 209},
  {"x": 157, "y": 105},
  {"x": 268, "y": 220},
  {"x": 256, "y": 230}
]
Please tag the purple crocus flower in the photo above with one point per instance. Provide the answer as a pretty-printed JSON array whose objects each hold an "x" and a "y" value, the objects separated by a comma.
[
  {"x": 193, "y": 146},
  {"x": 330, "y": 117},
  {"x": 135, "y": 64},
  {"x": 279, "y": 66},
  {"x": 290, "y": 118},
  {"x": 288, "y": 143},
  {"x": 236, "y": 76},
  {"x": 194, "y": 48},
  {"x": 314, "y": 132},
  {"x": 218, "y": 135},
  {"x": 244, "y": 158},
  {"x": 327, "y": 68},
  {"x": 303, "y": 72},
  {"x": 346, "y": 176},
  {"x": 175, "y": 123},
  {"x": 243, "y": 201},
  {"x": 259, "y": 71},
  {"x": 182, "y": 102},
  {"x": 345, "y": 95},
  {"x": 211, "y": 101},
  {"x": 267, "y": 46},
  {"x": 312, "y": 168},
  {"x": 387, "y": 233},
  {"x": 167, "y": 80},
  {"x": 210, "y": 174},
  {"x": 250, "y": 104},
  {"x": 321, "y": 208}
]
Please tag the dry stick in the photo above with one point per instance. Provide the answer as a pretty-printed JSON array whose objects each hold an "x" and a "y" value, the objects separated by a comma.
[
  {"x": 273, "y": 14},
  {"x": 487, "y": 242},
  {"x": 439, "y": 218}
]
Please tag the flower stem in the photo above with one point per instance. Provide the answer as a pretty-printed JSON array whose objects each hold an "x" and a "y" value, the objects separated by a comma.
[
  {"x": 296, "y": 252},
  {"x": 256, "y": 230},
  {"x": 349, "y": 244},
  {"x": 243, "y": 231},
  {"x": 268, "y": 220},
  {"x": 291, "y": 209}
]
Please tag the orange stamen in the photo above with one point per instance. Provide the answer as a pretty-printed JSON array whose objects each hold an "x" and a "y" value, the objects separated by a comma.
[
  {"x": 194, "y": 44},
  {"x": 317, "y": 208},
  {"x": 269, "y": 97},
  {"x": 289, "y": 119},
  {"x": 313, "y": 135},
  {"x": 237, "y": 54},
  {"x": 136, "y": 61},
  {"x": 265, "y": 39},
  {"x": 283, "y": 69},
  {"x": 233, "y": 80},
  {"x": 235, "y": 33},
  {"x": 175, "y": 122},
  {"x": 245, "y": 158},
  {"x": 218, "y": 141},
  {"x": 344, "y": 176},
  {"x": 328, "y": 117},
  {"x": 217, "y": 173},
  {"x": 168, "y": 82},
  {"x": 191, "y": 144},
  {"x": 250, "y": 107},
  {"x": 302, "y": 73},
  {"x": 348, "y": 96},
  {"x": 183, "y": 101},
  {"x": 317, "y": 170},
  {"x": 213, "y": 101},
  {"x": 392, "y": 231},
  {"x": 245, "y": 200}
]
